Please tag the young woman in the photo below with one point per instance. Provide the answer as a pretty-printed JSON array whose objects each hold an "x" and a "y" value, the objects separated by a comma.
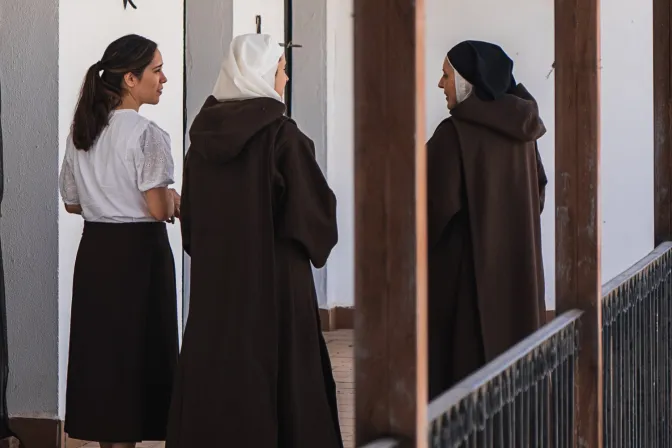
[
  {"x": 116, "y": 173},
  {"x": 254, "y": 370}
]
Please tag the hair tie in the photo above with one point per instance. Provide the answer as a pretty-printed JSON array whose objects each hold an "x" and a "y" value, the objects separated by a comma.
[{"x": 99, "y": 66}]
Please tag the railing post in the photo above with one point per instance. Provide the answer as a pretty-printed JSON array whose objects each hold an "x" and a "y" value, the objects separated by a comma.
[
  {"x": 578, "y": 225},
  {"x": 662, "y": 107},
  {"x": 390, "y": 214}
]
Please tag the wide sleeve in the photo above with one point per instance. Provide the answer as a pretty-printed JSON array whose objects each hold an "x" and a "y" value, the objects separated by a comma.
[
  {"x": 66, "y": 181},
  {"x": 307, "y": 212},
  {"x": 185, "y": 207},
  {"x": 444, "y": 180},
  {"x": 153, "y": 160},
  {"x": 542, "y": 179}
]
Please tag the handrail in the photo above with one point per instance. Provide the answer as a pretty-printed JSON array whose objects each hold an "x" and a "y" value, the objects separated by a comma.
[
  {"x": 497, "y": 367},
  {"x": 637, "y": 353},
  {"x": 636, "y": 360},
  {"x": 636, "y": 269},
  {"x": 534, "y": 380},
  {"x": 383, "y": 443}
]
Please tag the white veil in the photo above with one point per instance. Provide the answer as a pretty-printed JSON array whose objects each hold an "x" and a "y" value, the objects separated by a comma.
[{"x": 248, "y": 70}]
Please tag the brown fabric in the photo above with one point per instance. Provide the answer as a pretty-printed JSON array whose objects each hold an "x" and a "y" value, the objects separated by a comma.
[
  {"x": 256, "y": 211},
  {"x": 123, "y": 334},
  {"x": 486, "y": 284}
]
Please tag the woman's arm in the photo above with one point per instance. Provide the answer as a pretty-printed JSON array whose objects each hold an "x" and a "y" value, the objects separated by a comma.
[
  {"x": 444, "y": 180},
  {"x": 68, "y": 187},
  {"x": 161, "y": 203},
  {"x": 155, "y": 168},
  {"x": 309, "y": 205}
]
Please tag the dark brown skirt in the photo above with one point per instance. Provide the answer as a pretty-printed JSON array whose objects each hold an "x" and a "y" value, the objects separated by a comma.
[{"x": 123, "y": 334}]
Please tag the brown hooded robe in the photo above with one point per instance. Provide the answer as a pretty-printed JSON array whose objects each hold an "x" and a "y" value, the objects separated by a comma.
[
  {"x": 254, "y": 371},
  {"x": 485, "y": 195}
]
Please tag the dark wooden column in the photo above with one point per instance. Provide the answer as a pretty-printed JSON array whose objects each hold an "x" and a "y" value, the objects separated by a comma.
[
  {"x": 662, "y": 102},
  {"x": 577, "y": 193},
  {"x": 390, "y": 229}
]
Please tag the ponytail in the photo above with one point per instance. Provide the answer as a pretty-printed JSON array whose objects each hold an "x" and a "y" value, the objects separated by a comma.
[
  {"x": 93, "y": 109},
  {"x": 102, "y": 89}
]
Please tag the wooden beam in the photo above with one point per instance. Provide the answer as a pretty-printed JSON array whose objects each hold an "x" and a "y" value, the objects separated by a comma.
[
  {"x": 662, "y": 107},
  {"x": 390, "y": 227},
  {"x": 577, "y": 192}
]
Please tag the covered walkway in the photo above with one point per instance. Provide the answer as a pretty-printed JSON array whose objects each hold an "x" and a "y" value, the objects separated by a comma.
[{"x": 600, "y": 374}]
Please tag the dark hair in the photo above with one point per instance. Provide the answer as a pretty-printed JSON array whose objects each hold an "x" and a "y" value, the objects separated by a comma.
[{"x": 102, "y": 93}]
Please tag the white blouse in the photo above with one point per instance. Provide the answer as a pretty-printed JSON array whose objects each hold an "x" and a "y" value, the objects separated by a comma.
[{"x": 131, "y": 156}]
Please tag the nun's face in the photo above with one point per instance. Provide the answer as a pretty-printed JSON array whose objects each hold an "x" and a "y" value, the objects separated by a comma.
[
  {"x": 447, "y": 84},
  {"x": 281, "y": 77}
]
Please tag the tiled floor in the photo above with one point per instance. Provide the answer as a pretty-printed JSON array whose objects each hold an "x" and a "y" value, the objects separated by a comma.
[
  {"x": 141, "y": 445},
  {"x": 341, "y": 351},
  {"x": 340, "y": 345}
]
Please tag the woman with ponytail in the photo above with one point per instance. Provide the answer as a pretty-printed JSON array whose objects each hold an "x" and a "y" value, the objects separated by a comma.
[{"x": 116, "y": 173}]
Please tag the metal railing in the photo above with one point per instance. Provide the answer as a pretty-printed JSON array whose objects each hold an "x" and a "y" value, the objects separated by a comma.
[
  {"x": 383, "y": 443},
  {"x": 637, "y": 354},
  {"x": 524, "y": 398}
]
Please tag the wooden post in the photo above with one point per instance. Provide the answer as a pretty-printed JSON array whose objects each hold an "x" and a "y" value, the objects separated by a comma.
[
  {"x": 390, "y": 222},
  {"x": 662, "y": 106},
  {"x": 578, "y": 225}
]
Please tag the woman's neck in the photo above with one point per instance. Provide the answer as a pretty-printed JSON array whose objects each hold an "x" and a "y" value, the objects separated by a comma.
[{"x": 128, "y": 102}]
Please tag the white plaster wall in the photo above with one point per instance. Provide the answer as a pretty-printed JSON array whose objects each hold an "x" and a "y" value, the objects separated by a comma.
[
  {"x": 524, "y": 28},
  {"x": 86, "y": 28},
  {"x": 446, "y": 25},
  {"x": 29, "y": 223},
  {"x": 309, "y": 91},
  {"x": 627, "y": 107},
  {"x": 627, "y": 134},
  {"x": 340, "y": 148},
  {"x": 272, "y": 13}
]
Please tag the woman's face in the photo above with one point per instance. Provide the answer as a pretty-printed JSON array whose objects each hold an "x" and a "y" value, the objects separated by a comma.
[
  {"x": 447, "y": 84},
  {"x": 148, "y": 89},
  {"x": 281, "y": 77}
]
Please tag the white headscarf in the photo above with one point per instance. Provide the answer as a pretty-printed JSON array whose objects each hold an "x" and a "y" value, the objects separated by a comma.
[
  {"x": 463, "y": 88},
  {"x": 248, "y": 71}
]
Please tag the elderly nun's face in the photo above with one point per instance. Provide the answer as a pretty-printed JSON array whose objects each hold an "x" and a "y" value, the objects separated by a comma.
[
  {"x": 447, "y": 84},
  {"x": 281, "y": 77}
]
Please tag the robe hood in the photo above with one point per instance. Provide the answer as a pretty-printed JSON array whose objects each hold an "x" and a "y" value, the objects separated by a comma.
[
  {"x": 515, "y": 114},
  {"x": 221, "y": 130}
]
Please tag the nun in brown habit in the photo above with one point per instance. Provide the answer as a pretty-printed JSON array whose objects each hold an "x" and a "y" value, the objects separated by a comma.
[
  {"x": 254, "y": 371},
  {"x": 485, "y": 192}
]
